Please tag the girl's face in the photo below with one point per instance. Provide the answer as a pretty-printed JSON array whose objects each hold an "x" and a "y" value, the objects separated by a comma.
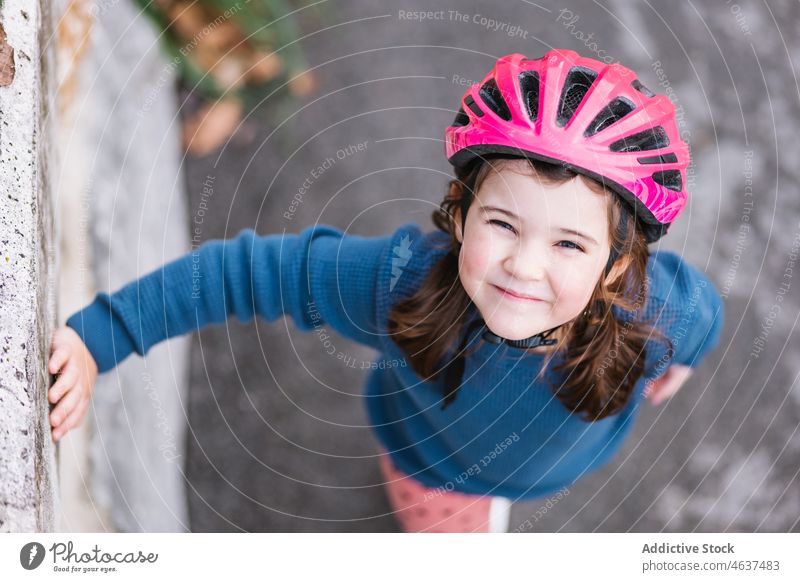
[{"x": 532, "y": 253}]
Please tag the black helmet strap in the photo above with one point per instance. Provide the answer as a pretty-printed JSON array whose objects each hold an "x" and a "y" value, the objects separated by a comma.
[{"x": 454, "y": 371}]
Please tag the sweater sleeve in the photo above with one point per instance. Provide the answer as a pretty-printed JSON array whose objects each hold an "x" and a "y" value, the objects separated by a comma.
[
  {"x": 317, "y": 276},
  {"x": 685, "y": 306}
]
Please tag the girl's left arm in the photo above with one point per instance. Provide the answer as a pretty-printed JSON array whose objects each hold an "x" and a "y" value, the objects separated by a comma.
[
  {"x": 690, "y": 312},
  {"x": 688, "y": 306},
  {"x": 704, "y": 318}
]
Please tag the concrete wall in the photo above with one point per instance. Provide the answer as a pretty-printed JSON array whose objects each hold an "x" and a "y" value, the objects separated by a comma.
[
  {"x": 27, "y": 460},
  {"x": 88, "y": 147}
]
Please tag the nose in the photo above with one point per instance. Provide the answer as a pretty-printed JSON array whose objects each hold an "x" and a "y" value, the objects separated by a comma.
[{"x": 527, "y": 262}]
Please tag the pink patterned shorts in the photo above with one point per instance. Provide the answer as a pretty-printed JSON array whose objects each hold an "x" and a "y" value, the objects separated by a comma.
[{"x": 423, "y": 509}]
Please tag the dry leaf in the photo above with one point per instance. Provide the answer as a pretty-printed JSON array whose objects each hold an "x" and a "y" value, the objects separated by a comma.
[
  {"x": 210, "y": 126},
  {"x": 187, "y": 20},
  {"x": 224, "y": 35},
  {"x": 206, "y": 56},
  {"x": 229, "y": 72},
  {"x": 264, "y": 67},
  {"x": 74, "y": 35},
  {"x": 7, "y": 68},
  {"x": 302, "y": 85},
  {"x": 227, "y": 69},
  {"x": 196, "y": 24}
]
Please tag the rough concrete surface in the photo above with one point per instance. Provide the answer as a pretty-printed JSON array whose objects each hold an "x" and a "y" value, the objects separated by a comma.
[
  {"x": 27, "y": 462},
  {"x": 278, "y": 434}
]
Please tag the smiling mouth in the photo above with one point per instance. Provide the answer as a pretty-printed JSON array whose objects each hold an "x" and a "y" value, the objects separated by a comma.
[{"x": 511, "y": 295}]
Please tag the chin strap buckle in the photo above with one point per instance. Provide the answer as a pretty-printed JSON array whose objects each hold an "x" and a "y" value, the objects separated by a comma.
[{"x": 540, "y": 339}]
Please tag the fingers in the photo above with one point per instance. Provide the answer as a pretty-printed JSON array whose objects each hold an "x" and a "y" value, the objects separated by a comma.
[
  {"x": 67, "y": 404},
  {"x": 74, "y": 419},
  {"x": 659, "y": 396},
  {"x": 652, "y": 388},
  {"x": 60, "y": 349},
  {"x": 669, "y": 390},
  {"x": 72, "y": 390},
  {"x": 64, "y": 384},
  {"x": 668, "y": 385},
  {"x": 57, "y": 360}
]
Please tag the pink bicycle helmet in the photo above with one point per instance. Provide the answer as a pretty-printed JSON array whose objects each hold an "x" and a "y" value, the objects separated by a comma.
[{"x": 594, "y": 118}]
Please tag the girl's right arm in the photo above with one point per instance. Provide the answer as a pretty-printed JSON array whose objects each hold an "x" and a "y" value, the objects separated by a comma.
[{"x": 318, "y": 277}]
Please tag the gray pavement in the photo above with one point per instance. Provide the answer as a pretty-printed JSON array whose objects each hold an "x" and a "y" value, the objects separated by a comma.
[{"x": 278, "y": 438}]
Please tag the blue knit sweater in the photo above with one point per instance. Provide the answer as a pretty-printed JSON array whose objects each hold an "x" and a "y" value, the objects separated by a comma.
[{"x": 505, "y": 434}]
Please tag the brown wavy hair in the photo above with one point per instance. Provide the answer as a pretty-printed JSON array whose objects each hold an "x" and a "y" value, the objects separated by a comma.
[{"x": 602, "y": 356}]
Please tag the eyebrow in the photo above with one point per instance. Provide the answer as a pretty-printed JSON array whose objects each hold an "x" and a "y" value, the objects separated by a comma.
[{"x": 562, "y": 229}]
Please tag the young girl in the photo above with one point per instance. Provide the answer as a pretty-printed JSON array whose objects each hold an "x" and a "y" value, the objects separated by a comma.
[{"x": 528, "y": 325}]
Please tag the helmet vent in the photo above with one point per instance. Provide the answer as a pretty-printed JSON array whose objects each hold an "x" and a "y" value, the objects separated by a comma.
[
  {"x": 474, "y": 107},
  {"x": 665, "y": 159},
  {"x": 579, "y": 79},
  {"x": 637, "y": 84},
  {"x": 529, "y": 86},
  {"x": 461, "y": 118},
  {"x": 649, "y": 139},
  {"x": 611, "y": 113},
  {"x": 669, "y": 179},
  {"x": 491, "y": 95}
]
